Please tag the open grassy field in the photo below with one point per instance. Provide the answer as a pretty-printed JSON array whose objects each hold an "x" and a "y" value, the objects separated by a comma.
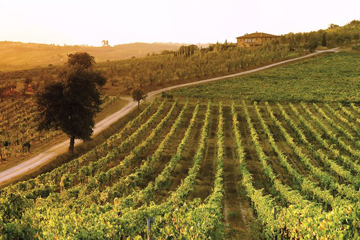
[
  {"x": 333, "y": 77},
  {"x": 19, "y": 56}
]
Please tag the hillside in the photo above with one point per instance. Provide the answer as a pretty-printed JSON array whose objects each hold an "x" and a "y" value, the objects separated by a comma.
[
  {"x": 330, "y": 78},
  {"x": 17, "y": 55},
  {"x": 269, "y": 164},
  {"x": 333, "y": 36},
  {"x": 155, "y": 71},
  {"x": 267, "y": 155},
  {"x": 351, "y": 27},
  {"x": 200, "y": 161}
]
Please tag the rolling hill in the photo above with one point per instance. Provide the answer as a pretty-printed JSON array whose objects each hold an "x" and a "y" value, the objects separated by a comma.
[{"x": 18, "y": 55}]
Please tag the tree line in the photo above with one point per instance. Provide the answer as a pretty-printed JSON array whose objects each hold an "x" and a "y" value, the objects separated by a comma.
[
  {"x": 333, "y": 36},
  {"x": 190, "y": 62}
]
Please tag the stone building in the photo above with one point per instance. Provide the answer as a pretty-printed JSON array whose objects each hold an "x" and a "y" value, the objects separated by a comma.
[{"x": 255, "y": 39}]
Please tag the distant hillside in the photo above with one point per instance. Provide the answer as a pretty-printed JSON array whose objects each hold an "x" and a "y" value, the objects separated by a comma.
[
  {"x": 351, "y": 27},
  {"x": 333, "y": 36},
  {"x": 17, "y": 55}
]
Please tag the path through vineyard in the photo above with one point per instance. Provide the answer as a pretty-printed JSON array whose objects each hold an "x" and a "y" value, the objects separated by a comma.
[{"x": 61, "y": 148}]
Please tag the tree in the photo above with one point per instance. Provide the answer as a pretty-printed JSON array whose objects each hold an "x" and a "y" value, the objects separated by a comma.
[
  {"x": 283, "y": 39},
  {"x": 313, "y": 44},
  {"x": 323, "y": 41},
  {"x": 356, "y": 36},
  {"x": 81, "y": 59},
  {"x": 138, "y": 94},
  {"x": 333, "y": 26},
  {"x": 71, "y": 103}
]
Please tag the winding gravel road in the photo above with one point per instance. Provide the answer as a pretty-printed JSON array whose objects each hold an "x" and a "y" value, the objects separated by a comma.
[{"x": 61, "y": 148}]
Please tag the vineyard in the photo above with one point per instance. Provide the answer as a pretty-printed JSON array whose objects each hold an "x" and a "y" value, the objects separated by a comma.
[
  {"x": 18, "y": 127},
  {"x": 189, "y": 169},
  {"x": 158, "y": 70},
  {"x": 329, "y": 78}
]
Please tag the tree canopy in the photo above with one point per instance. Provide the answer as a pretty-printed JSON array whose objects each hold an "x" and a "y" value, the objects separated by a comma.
[
  {"x": 71, "y": 103},
  {"x": 81, "y": 59},
  {"x": 138, "y": 94}
]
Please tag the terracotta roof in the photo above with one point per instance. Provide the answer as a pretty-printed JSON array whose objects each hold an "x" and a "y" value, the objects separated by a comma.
[{"x": 258, "y": 35}]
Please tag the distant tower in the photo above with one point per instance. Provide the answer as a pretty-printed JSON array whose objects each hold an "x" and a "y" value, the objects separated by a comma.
[{"x": 105, "y": 43}]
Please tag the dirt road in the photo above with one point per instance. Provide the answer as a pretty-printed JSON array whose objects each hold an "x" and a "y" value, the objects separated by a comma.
[{"x": 61, "y": 148}]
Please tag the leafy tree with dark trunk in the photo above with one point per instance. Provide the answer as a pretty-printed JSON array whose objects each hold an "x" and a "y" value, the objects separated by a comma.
[
  {"x": 313, "y": 44},
  {"x": 323, "y": 41},
  {"x": 81, "y": 60},
  {"x": 138, "y": 94},
  {"x": 71, "y": 103}
]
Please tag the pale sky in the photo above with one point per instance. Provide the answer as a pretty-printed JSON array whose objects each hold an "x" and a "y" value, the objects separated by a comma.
[{"x": 75, "y": 22}]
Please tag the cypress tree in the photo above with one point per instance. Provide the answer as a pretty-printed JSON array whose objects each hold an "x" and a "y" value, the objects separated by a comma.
[{"x": 323, "y": 41}]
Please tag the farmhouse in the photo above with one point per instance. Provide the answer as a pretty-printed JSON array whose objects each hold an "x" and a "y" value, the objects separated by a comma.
[{"x": 255, "y": 39}]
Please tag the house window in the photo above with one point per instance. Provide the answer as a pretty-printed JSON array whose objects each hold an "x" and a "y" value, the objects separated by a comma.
[{"x": 253, "y": 39}]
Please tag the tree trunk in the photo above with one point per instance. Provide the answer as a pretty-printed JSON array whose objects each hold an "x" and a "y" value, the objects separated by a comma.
[{"x": 72, "y": 144}]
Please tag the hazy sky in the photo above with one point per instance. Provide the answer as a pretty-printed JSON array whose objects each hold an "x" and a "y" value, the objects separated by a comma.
[{"x": 185, "y": 21}]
